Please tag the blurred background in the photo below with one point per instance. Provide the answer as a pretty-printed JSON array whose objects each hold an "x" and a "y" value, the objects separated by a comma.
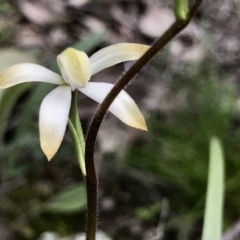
[{"x": 152, "y": 185}]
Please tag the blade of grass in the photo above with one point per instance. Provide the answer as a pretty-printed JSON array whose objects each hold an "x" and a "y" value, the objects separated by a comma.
[
  {"x": 8, "y": 98},
  {"x": 213, "y": 216},
  {"x": 90, "y": 41}
]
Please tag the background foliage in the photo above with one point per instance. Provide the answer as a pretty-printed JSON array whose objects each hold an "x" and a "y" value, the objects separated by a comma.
[{"x": 148, "y": 181}]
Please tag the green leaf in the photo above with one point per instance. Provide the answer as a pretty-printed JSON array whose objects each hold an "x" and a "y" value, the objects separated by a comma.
[
  {"x": 8, "y": 98},
  {"x": 212, "y": 227},
  {"x": 147, "y": 213},
  {"x": 68, "y": 201},
  {"x": 90, "y": 41}
]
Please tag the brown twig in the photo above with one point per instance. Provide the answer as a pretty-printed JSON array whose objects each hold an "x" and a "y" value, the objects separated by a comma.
[{"x": 91, "y": 177}]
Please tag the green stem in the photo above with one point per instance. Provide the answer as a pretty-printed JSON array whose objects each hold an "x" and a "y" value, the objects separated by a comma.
[
  {"x": 91, "y": 179},
  {"x": 75, "y": 128}
]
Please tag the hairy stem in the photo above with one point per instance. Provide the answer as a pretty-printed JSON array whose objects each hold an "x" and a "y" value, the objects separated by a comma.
[{"x": 91, "y": 178}]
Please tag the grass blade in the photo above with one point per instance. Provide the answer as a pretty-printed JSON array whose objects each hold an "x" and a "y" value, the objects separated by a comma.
[{"x": 212, "y": 226}]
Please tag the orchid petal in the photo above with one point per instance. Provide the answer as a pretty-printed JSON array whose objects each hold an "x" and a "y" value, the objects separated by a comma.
[
  {"x": 28, "y": 72},
  {"x": 123, "y": 107},
  {"x": 115, "y": 54},
  {"x": 75, "y": 67},
  {"x": 53, "y": 118}
]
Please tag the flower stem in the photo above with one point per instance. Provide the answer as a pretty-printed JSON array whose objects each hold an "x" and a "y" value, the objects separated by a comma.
[
  {"x": 92, "y": 204},
  {"x": 91, "y": 179},
  {"x": 75, "y": 128}
]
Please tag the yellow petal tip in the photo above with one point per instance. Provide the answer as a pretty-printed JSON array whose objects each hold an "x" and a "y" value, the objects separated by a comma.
[
  {"x": 48, "y": 152},
  {"x": 140, "y": 124},
  {"x": 143, "y": 127},
  {"x": 48, "y": 158}
]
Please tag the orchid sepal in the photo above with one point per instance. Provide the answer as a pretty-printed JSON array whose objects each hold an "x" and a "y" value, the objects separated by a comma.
[
  {"x": 123, "y": 106},
  {"x": 114, "y": 54},
  {"x": 28, "y": 72},
  {"x": 53, "y": 118}
]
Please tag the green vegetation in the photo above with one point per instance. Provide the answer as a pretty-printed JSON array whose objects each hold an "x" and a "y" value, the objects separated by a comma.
[{"x": 169, "y": 164}]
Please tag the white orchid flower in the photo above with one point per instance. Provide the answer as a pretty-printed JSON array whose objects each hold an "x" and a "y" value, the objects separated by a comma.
[{"x": 76, "y": 69}]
